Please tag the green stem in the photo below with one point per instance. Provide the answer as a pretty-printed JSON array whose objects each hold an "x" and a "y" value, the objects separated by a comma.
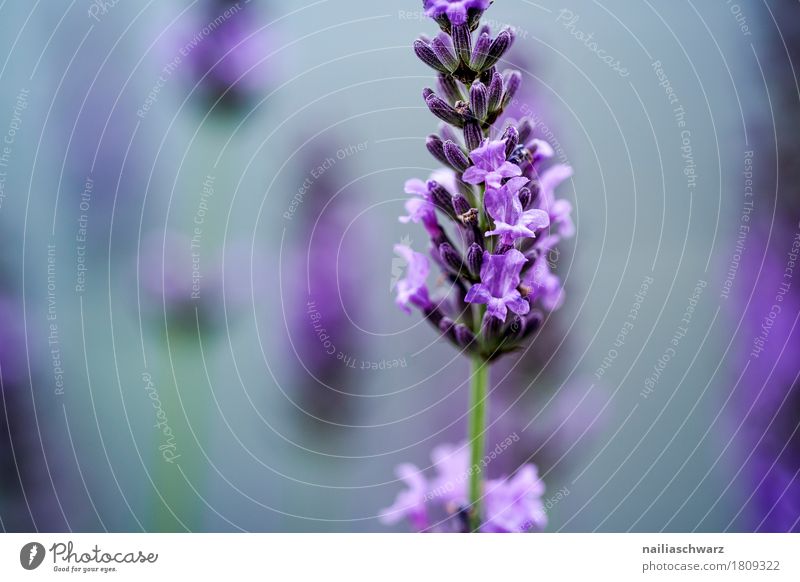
[{"x": 477, "y": 436}]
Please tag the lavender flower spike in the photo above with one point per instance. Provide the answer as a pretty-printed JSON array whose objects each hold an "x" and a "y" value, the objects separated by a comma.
[
  {"x": 500, "y": 277},
  {"x": 496, "y": 198},
  {"x": 491, "y": 165}
]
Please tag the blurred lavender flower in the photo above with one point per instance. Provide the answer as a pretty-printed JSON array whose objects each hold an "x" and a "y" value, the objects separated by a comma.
[
  {"x": 324, "y": 296},
  {"x": 439, "y": 504},
  {"x": 770, "y": 399},
  {"x": 225, "y": 51},
  {"x": 770, "y": 403}
]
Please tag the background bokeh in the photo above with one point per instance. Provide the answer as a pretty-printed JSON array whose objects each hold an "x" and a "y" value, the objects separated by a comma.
[{"x": 198, "y": 206}]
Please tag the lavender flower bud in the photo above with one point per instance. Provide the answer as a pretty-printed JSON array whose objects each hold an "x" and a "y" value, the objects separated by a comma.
[
  {"x": 495, "y": 93},
  {"x": 499, "y": 47},
  {"x": 441, "y": 109},
  {"x": 455, "y": 156},
  {"x": 479, "y": 101},
  {"x": 525, "y": 129},
  {"x": 464, "y": 336},
  {"x": 492, "y": 327},
  {"x": 513, "y": 80},
  {"x": 447, "y": 133},
  {"x": 440, "y": 196},
  {"x": 480, "y": 51},
  {"x": 460, "y": 204},
  {"x": 535, "y": 189},
  {"x": 446, "y": 327},
  {"x": 436, "y": 148},
  {"x": 472, "y": 134},
  {"x": 451, "y": 258},
  {"x": 450, "y": 88},
  {"x": 427, "y": 56},
  {"x": 511, "y": 136},
  {"x": 532, "y": 324},
  {"x": 525, "y": 197},
  {"x": 475, "y": 259},
  {"x": 516, "y": 328},
  {"x": 462, "y": 39},
  {"x": 442, "y": 47},
  {"x": 486, "y": 76},
  {"x": 474, "y": 17},
  {"x": 485, "y": 29}
]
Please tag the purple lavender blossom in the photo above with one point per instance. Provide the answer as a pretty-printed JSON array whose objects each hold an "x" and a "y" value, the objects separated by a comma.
[
  {"x": 500, "y": 277},
  {"x": 559, "y": 210},
  {"x": 228, "y": 62},
  {"x": 491, "y": 165},
  {"x": 499, "y": 201},
  {"x": 455, "y": 10},
  {"x": 511, "y": 222},
  {"x": 421, "y": 208},
  {"x": 437, "y": 504},
  {"x": 543, "y": 285},
  {"x": 413, "y": 289}
]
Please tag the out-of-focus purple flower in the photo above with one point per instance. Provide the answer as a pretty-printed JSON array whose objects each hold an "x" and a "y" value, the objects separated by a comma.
[
  {"x": 12, "y": 344},
  {"x": 512, "y": 504},
  {"x": 455, "y": 10},
  {"x": 491, "y": 165},
  {"x": 543, "y": 284},
  {"x": 500, "y": 277},
  {"x": 413, "y": 288},
  {"x": 558, "y": 209},
  {"x": 421, "y": 209},
  {"x": 410, "y": 503},
  {"x": 224, "y": 51},
  {"x": 511, "y": 222}
]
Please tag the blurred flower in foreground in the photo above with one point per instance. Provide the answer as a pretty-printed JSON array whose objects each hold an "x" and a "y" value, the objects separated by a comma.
[
  {"x": 440, "y": 504},
  {"x": 225, "y": 51},
  {"x": 321, "y": 294}
]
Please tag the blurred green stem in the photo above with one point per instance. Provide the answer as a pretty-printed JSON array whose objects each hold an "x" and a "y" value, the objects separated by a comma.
[{"x": 477, "y": 436}]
